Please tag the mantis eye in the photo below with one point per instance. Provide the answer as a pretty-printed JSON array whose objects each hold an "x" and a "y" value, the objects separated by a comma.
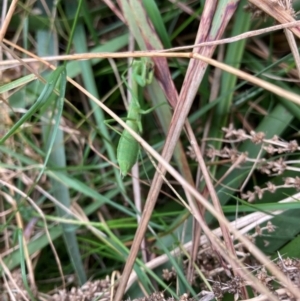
[{"x": 149, "y": 72}]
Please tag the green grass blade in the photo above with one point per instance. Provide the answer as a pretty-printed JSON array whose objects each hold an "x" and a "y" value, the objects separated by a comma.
[
  {"x": 233, "y": 57},
  {"x": 41, "y": 101},
  {"x": 52, "y": 131},
  {"x": 17, "y": 83},
  {"x": 22, "y": 263},
  {"x": 156, "y": 18},
  {"x": 57, "y": 156}
]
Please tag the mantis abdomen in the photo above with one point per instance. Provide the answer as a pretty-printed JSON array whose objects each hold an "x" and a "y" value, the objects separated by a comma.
[{"x": 128, "y": 149}]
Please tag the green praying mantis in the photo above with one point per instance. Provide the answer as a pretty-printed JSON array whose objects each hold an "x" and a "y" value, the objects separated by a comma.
[{"x": 128, "y": 147}]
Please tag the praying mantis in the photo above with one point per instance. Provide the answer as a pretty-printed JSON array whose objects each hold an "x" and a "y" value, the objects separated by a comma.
[{"x": 128, "y": 147}]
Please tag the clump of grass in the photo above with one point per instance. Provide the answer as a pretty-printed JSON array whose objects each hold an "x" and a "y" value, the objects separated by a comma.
[{"x": 67, "y": 215}]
